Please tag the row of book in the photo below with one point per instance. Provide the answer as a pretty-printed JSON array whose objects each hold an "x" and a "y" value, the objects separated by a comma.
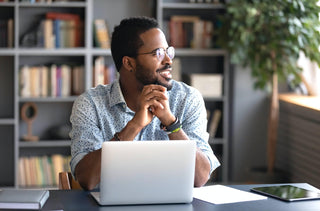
[
  {"x": 51, "y": 81},
  {"x": 42, "y": 171},
  {"x": 56, "y": 30},
  {"x": 6, "y": 33},
  {"x": 102, "y": 73},
  {"x": 189, "y": 32}
]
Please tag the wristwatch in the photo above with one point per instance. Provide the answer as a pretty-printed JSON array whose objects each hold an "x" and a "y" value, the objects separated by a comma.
[{"x": 173, "y": 128}]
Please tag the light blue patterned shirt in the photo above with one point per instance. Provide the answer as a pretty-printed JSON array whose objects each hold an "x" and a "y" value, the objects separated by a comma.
[{"x": 102, "y": 111}]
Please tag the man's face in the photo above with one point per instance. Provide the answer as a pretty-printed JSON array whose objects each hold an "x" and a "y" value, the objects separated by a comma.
[{"x": 149, "y": 69}]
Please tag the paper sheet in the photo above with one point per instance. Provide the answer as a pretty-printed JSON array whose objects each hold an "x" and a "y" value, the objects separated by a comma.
[{"x": 219, "y": 194}]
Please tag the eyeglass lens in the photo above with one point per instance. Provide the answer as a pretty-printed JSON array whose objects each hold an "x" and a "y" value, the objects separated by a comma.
[{"x": 161, "y": 53}]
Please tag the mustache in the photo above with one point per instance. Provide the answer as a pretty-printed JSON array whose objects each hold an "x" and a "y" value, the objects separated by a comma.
[{"x": 164, "y": 68}]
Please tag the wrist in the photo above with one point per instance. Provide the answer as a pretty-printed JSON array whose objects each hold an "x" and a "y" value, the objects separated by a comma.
[
  {"x": 127, "y": 133},
  {"x": 168, "y": 121},
  {"x": 134, "y": 127}
]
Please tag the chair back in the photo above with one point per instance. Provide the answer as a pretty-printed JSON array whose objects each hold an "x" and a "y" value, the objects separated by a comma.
[{"x": 66, "y": 181}]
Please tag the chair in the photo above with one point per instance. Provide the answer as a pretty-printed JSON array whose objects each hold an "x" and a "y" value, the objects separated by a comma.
[{"x": 66, "y": 181}]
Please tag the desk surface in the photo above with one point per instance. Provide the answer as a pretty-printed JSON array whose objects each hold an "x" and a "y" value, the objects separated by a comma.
[{"x": 82, "y": 200}]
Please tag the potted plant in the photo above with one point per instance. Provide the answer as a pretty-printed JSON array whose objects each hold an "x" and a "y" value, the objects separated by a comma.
[{"x": 268, "y": 36}]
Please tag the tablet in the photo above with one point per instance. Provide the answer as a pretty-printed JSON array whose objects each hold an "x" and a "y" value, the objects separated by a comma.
[{"x": 287, "y": 192}]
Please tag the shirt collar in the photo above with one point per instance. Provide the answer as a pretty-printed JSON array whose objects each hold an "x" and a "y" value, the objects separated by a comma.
[{"x": 116, "y": 96}]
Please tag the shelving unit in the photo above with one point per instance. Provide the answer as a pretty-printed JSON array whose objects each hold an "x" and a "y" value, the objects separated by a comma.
[
  {"x": 204, "y": 60},
  {"x": 55, "y": 111}
]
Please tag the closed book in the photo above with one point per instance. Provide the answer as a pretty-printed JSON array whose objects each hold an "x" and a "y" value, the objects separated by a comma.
[
  {"x": 209, "y": 85},
  {"x": 102, "y": 39},
  {"x": 214, "y": 123},
  {"x": 48, "y": 34},
  {"x": 65, "y": 80},
  {"x": 23, "y": 199},
  {"x": 10, "y": 33},
  {"x": 24, "y": 81},
  {"x": 98, "y": 74},
  {"x": 53, "y": 70}
]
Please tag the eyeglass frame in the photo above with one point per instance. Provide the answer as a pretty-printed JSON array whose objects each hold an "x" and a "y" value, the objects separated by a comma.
[{"x": 158, "y": 55}]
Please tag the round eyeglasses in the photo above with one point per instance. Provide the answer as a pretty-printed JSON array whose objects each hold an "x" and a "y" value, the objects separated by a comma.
[{"x": 160, "y": 53}]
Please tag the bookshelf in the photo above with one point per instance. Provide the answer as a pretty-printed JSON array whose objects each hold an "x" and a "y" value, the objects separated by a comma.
[
  {"x": 202, "y": 59},
  {"x": 53, "y": 112}
]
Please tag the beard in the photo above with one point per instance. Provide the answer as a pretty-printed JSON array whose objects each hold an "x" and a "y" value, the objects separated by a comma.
[{"x": 147, "y": 76}]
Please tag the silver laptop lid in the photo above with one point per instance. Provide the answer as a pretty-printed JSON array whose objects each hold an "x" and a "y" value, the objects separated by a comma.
[{"x": 147, "y": 172}]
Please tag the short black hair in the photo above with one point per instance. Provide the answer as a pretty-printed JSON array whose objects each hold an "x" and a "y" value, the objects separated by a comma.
[{"x": 125, "y": 40}]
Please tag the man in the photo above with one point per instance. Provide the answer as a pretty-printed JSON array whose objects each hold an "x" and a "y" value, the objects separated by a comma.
[{"x": 144, "y": 104}]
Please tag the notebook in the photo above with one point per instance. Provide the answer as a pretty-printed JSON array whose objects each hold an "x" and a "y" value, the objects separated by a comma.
[
  {"x": 146, "y": 172},
  {"x": 23, "y": 199}
]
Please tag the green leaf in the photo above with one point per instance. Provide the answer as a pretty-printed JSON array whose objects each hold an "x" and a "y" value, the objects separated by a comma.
[{"x": 251, "y": 29}]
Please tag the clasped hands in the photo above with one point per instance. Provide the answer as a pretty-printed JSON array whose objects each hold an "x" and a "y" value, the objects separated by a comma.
[{"x": 153, "y": 101}]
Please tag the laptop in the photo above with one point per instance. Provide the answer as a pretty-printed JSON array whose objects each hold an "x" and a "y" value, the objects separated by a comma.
[{"x": 146, "y": 172}]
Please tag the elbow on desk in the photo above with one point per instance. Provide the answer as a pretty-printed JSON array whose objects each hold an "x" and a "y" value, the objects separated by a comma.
[{"x": 86, "y": 183}]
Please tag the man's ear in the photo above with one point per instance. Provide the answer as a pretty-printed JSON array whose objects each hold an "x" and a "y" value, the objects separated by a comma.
[{"x": 128, "y": 63}]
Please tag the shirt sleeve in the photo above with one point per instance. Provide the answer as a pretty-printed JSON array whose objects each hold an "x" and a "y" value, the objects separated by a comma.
[
  {"x": 85, "y": 134},
  {"x": 194, "y": 124}
]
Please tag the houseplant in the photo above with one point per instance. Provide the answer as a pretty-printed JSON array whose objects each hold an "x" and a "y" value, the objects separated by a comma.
[{"x": 268, "y": 36}]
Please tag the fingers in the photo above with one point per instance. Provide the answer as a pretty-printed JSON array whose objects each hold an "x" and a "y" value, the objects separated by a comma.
[
  {"x": 153, "y": 88},
  {"x": 154, "y": 92}
]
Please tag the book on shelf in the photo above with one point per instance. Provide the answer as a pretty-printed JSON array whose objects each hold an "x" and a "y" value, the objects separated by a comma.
[
  {"x": 6, "y": 33},
  {"x": 23, "y": 199},
  {"x": 77, "y": 81},
  {"x": 98, "y": 71},
  {"x": 44, "y": 81},
  {"x": 65, "y": 80},
  {"x": 49, "y": 37},
  {"x": 214, "y": 123},
  {"x": 10, "y": 33},
  {"x": 101, "y": 34},
  {"x": 53, "y": 79}
]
